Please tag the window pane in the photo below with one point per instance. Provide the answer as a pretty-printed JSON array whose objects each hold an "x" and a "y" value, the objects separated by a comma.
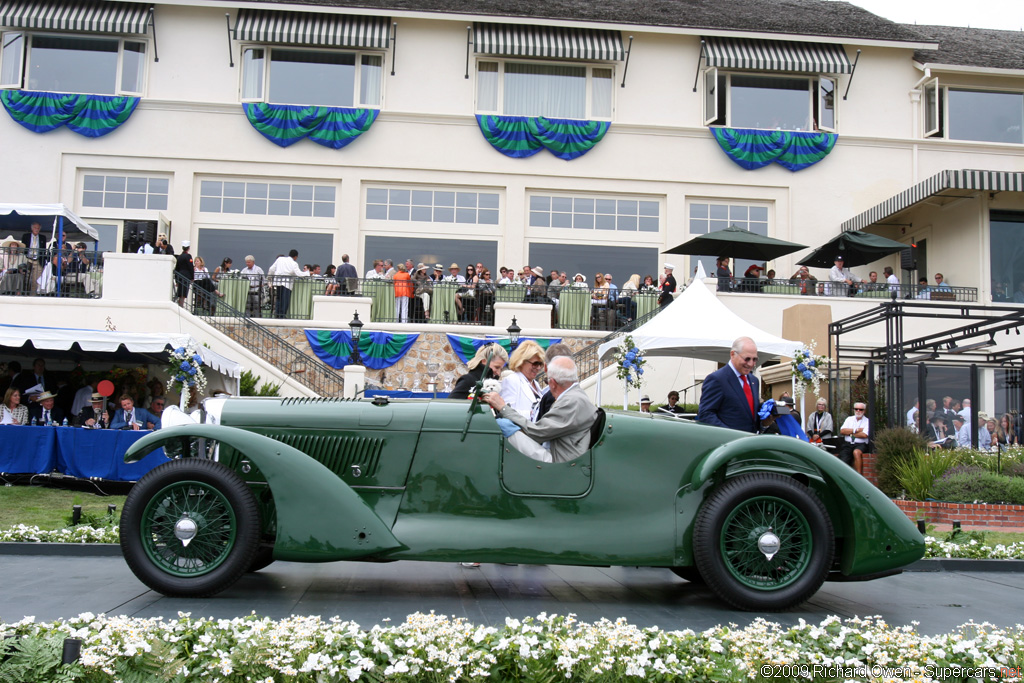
[
  {"x": 604, "y": 206},
  {"x": 649, "y": 209},
  {"x": 759, "y": 213},
  {"x": 582, "y": 221},
  {"x": 279, "y": 207},
  {"x": 561, "y": 204},
  {"x": 604, "y": 222},
  {"x": 133, "y": 61},
  {"x": 252, "y": 74},
  {"x": 398, "y": 212},
  {"x": 113, "y": 200},
  {"x": 73, "y": 64},
  {"x": 443, "y": 214},
  {"x": 444, "y": 199},
  {"x": 211, "y": 188},
  {"x": 422, "y": 198},
  {"x": 257, "y": 190},
  {"x": 370, "y": 80},
  {"x": 770, "y": 103},
  {"x": 323, "y": 193},
  {"x": 302, "y": 208},
  {"x": 209, "y": 204},
  {"x": 377, "y": 212},
  {"x": 487, "y": 86},
  {"x": 698, "y": 226},
  {"x": 13, "y": 51},
  {"x": 159, "y": 185},
  {"x": 738, "y": 213},
  {"x": 234, "y": 189},
  {"x": 135, "y": 201},
  {"x": 601, "y": 94},
  {"x": 93, "y": 199},
  {"x": 488, "y": 217},
  {"x": 157, "y": 202},
  {"x": 302, "y": 191},
  {"x": 399, "y": 196},
  {"x": 422, "y": 213},
  {"x": 627, "y": 223},
  {"x": 92, "y": 182},
  {"x": 545, "y": 90},
  {"x": 323, "y": 209},
  {"x": 309, "y": 77},
  {"x": 649, "y": 224},
  {"x": 827, "y": 100},
  {"x": 561, "y": 220},
  {"x": 540, "y": 219},
  {"x": 627, "y": 207},
  {"x": 376, "y": 196},
  {"x": 466, "y": 199},
  {"x": 465, "y": 215},
  {"x": 488, "y": 200},
  {"x": 233, "y": 205},
  {"x": 583, "y": 205},
  {"x": 719, "y": 211},
  {"x": 986, "y": 116},
  {"x": 256, "y": 207},
  {"x": 540, "y": 203},
  {"x": 698, "y": 210},
  {"x": 116, "y": 183}
]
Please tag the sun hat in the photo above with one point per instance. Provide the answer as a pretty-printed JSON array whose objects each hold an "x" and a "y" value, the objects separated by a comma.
[
  {"x": 45, "y": 395},
  {"x": 645, "y": 399},
  {"x": 97, "y": 397},
  {"x": 536, "y": 270},
  {"x": 454, "y": 265},
  {"x": 438, "y": 266}
]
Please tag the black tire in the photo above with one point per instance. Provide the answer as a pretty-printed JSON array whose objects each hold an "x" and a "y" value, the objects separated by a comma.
[
  {"x": 691, "y": 574},
  {"x": 209, "y": 504},
  {"x": 263, "y": 558},
  {"x": 732, "y": 540}
]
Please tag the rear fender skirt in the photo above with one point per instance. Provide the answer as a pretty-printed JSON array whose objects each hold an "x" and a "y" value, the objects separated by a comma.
[{"x": 319, "y": 517}]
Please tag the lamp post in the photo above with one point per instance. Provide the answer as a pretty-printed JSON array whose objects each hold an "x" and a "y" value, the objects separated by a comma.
[
  {"x": 513, "y": 334},
  {"x": 356, "y": 326}
]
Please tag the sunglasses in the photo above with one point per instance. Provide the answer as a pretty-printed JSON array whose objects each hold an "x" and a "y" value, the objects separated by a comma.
[
  {"x": 536, "y": 363},
  {"x": 859, "y": 410}
]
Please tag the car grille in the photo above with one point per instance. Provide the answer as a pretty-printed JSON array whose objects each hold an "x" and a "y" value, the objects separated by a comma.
[{"x": 338, "y": 453}]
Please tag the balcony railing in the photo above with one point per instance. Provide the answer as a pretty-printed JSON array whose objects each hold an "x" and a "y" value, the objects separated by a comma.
[
  {"x": 860, "y": 290},
  {"x": 573, "y": 308},
  {"x": 51, "y": 272}
]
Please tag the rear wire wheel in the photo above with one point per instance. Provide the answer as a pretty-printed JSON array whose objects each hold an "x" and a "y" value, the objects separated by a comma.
[
  {"x": 190, "y": 528},
  {"x": 763, "y": 542}
]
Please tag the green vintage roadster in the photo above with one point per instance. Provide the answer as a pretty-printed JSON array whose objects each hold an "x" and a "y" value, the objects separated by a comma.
[{"x": 762, "y": 520}]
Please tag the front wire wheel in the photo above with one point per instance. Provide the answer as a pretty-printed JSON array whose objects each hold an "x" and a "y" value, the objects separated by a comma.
[
  {"x": 763, "y": 542},
  {"x": 190, "y": 528}
]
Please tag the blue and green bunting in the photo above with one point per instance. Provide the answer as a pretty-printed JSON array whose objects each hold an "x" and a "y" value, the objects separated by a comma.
[
  {"x": 286, "y": 124},
  {"x": 89, "y": 115},
  {"x": 795, "y": 150},
  {"x": 377, "y": 350},
  {"x": 465, "y": 347},
  {"x": 523, "y": 136}
]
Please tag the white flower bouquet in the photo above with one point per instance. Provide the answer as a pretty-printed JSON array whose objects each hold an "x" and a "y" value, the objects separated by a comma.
[
  {"x": 806, "y": 369},
  {"x": 186, "y": 370},
  {"x": 631, "y": 363}
]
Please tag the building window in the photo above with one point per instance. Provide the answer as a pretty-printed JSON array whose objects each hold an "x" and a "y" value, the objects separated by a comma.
[
  {"x": 708, "y": 216},
  {"x": 328, "y": 78},
  {"x": 125, "y": 192},
  {"x": 798, "y": 103},
  {"x": 1006, "y": 255},
  {"x": 564, "y": 91},
  {"x": 432, "y": 206},
  {"x": 595, "y": 213},
  {"x": 621, "y": 261},
  {"x": 266, "y": 199},
  {"x": 432, "y": 250},
  {"x": 977, "y": 115},
  {"x": 73, "y": 64}
]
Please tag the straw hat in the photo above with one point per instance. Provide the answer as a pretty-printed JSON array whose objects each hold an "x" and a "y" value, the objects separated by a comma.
[
  {"x": 45, "y": 395},
  {"x": 454, "y": 265},
  {"x": 11, "y": 241}
]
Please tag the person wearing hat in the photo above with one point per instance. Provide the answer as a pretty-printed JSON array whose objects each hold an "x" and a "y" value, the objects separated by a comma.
[
  {"x": 668, "y": 286},
  {"x": 95, "y": 415},
  {"x": 751, "y": 276},
  {"x": 645, "y": 404},
  {"x": 43, "y": 411},
  {"x": 184, "y": 267},
  {"x": 963, "y": 431},
  {"x": 423, "y": 287},
  {"x": 984, "y": 437},
  {"x": 35, "y": 243},
  {"x": 845, "y": 281},
  {"x": 937, "y": 434}
]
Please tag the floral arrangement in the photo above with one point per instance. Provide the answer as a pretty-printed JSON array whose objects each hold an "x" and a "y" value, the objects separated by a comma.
[
  {"x": 430, "y": 647},
  {"x": 186, "y": 370},
  {"x": 631, "y": 363},
  {"x": 806, "y": 368}
]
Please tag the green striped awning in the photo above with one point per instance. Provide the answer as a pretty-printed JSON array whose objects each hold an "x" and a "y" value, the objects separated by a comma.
[
  {"x": 89, "y": 17},
  {"x": 547, "y": 41},
  {"x": 301, "y": 28},
  {"x": 776, "y": 55},
  {"x": 963, "y": 179}
]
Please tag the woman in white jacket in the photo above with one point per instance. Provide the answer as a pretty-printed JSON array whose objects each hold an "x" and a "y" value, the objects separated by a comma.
[{"x": 520, "y": 388}]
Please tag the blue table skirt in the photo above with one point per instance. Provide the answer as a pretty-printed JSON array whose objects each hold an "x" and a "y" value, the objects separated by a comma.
[{"x": 73, "y": 451}]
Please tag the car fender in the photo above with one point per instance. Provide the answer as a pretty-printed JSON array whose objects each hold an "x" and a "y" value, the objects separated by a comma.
[
  {"x": 319, "y": 517},
  {"x": 881, "y": 536}
]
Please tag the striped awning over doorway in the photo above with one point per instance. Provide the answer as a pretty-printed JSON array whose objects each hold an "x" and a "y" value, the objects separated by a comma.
[
  {"x": 963, "y": 179},
  {"x": 302, "y": 28},
  {"x": 776, "y": 55},
  {"x": 516, "y": 40},
  {"x": 88, "y": 17}
]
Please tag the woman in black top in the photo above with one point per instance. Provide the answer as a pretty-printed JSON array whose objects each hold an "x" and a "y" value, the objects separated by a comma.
[{"x": 479, "y": 367}]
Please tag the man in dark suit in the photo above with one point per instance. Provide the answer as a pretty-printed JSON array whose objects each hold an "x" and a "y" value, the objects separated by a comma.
[
  {"x": 43, "y": 411},
  {"x": 35, "y": 245},
  {"x": 347, "y": 276},
  {"x": 95, "y": 415},
  {"x": 730, "y": 396},
  {"x": 37, "y": 375},
  {"x": 130, "y": 417}
]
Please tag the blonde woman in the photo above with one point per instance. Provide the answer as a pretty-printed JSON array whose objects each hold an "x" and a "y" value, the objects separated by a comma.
[
  {"x": 520, "y": 389},
  {"x": 480, "y": 368},
  {"x": 12, "y": 412},
  {"x": 629, "y": 290},
  {"x": 204, "y": 282}
]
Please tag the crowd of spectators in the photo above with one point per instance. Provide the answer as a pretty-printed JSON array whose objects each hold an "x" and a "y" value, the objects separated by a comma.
[
  {"x": 951, "y": 425},
  {"x": 30, "y": 267},
  {"x": 37, "y": 396}
]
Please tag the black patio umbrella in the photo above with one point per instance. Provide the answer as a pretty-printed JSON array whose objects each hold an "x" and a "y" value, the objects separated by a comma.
[
  {"x": 857, "y": 248},
  {"x": 737, "y": 243}
]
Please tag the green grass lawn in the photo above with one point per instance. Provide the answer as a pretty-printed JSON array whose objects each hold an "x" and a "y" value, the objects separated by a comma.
[{"x": 50, "y": 508}]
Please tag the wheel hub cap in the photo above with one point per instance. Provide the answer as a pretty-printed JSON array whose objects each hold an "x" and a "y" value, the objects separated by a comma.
[
  {"x": 769, "y": 544},
  {"x": 185, "y": 529}
]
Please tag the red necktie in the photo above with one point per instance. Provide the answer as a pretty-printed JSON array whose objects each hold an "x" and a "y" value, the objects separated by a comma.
[{"x": 748, "y": 392}]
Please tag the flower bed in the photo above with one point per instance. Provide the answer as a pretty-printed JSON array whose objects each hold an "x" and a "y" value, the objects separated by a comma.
[{"x": 429, "y": 647}]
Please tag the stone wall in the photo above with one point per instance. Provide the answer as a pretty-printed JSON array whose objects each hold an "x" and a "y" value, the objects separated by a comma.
[{"x": 410, "y": 372}]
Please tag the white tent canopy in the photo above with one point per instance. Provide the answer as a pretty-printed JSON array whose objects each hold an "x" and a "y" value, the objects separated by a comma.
[
  {"x": 698, "y": 325},
  {"x": 154, "y": 345},
  {"x": 55, "y": 210}
]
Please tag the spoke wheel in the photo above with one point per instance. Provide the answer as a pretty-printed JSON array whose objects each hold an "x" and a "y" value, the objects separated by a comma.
[
  {"x": 190, "y": 528},
  {"x": 763, "y": 542}
]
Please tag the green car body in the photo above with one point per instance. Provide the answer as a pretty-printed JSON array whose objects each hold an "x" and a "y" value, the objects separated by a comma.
[{"x": 407, "y": 480}]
